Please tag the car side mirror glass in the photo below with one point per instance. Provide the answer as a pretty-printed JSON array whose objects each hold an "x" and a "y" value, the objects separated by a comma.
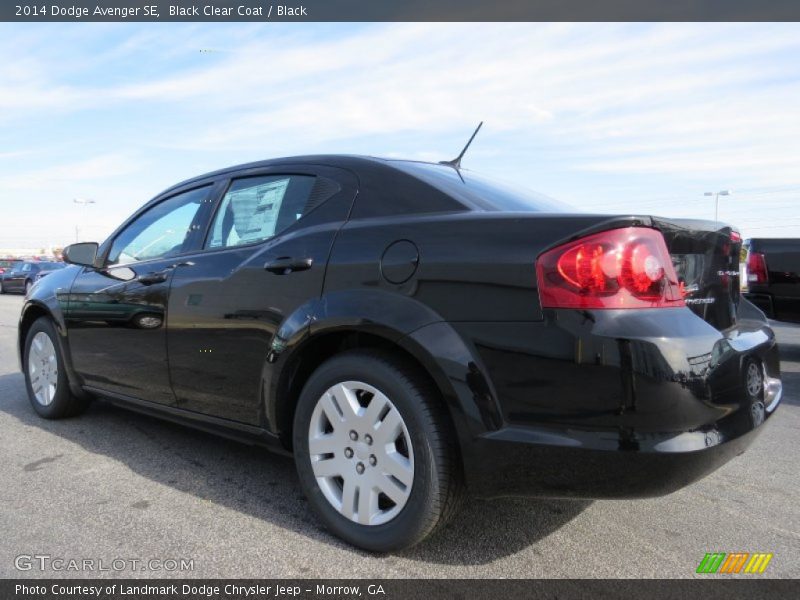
[{"x": 83, "y": 253}]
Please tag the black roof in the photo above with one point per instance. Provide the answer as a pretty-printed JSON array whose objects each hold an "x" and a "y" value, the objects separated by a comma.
[{"x": 344, "y": 161}]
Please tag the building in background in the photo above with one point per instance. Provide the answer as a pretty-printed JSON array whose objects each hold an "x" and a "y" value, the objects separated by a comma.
[{"x": 40, "y": 252}]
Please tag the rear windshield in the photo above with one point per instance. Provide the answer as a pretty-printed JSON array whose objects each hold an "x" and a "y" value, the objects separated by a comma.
[{"x": 480, "y": 192}]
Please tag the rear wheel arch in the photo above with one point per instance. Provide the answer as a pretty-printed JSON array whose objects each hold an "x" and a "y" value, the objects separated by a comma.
[{"x": 315, "y": 351}]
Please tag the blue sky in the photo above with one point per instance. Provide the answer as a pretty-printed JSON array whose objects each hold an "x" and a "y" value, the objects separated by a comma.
[{"x": 609, "y": 118}]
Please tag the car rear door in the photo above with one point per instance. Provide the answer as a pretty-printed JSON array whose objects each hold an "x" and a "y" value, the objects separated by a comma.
[
  {"x": 263, "y": 258},
  {"x": 116, "y": 315}
]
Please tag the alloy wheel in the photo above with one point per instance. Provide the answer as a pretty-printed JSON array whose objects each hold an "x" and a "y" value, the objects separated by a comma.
[
  {"x": 361, "y": 453},
  {"x": 755, "y": 380}
]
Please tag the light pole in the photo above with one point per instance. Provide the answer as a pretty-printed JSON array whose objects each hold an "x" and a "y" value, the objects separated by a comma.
[
  {"x": 716, "y": 200},
  {"x": 84, "y": 202}
]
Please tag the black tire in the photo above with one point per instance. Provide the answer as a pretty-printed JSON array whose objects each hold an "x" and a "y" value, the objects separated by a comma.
[
  {"x": 64, "y": 403},
  {"x": 28, "y": 286},
  {"x": 437, "y": 482}
]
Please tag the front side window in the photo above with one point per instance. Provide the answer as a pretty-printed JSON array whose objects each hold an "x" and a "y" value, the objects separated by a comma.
[
  {"x": 159, "y": 232},
  {"x": 256, "y": 208}
]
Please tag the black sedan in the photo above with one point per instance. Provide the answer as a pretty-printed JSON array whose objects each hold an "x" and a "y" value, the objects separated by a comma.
[
  {"x": 22, "y": 276},
  {"x": 410, "y": 332}
]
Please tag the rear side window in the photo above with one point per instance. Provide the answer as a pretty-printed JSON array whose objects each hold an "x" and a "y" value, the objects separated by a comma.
[{"x": 255, "y": 209}]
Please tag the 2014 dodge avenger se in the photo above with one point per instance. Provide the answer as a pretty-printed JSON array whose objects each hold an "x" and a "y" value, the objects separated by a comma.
[{"x": 412, "y": 331}]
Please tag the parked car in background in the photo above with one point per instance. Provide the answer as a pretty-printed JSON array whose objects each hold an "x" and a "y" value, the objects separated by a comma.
[
  {"x": 22, "y": 277},
  {"x": 53, "y": 266},
  {"x": 8, "y": 265},
  {"x": 772, "y": 269},
  {"x": 410, "y": 331}
]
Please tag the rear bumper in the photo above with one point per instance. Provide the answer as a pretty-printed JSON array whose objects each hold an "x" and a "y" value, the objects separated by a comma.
[
  {"x": 612, "y": 404},
  {"x": 517, "y": 464}
]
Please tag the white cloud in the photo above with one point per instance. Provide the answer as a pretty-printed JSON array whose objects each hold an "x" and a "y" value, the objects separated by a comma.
[
  {"x": 601, "y": 107},
  {"x": 83, "y": 173}
]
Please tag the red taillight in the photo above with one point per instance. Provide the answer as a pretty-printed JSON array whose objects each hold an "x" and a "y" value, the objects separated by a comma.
[
  {"x": 621, "y": 268},
  {"x": 756, "y": 268}
]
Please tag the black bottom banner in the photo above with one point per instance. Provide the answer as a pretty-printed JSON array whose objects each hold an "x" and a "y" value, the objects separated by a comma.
[{"x": 391, "y": 589}]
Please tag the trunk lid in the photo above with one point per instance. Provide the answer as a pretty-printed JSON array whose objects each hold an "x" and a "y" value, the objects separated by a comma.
[{"x": 705, "y": 255}]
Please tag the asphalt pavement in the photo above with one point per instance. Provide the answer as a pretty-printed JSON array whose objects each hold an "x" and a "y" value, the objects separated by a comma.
[{"x": 115, "y": 485}]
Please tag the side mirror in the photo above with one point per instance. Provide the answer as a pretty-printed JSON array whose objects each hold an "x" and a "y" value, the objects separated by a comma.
[{"x": 83, "y": 254}]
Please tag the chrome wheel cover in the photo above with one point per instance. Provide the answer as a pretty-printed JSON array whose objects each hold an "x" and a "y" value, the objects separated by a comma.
[
  {"x": 361, "y": 453},
  {"x": 43, "y": 368},
  {"x": 755, "y": 380}
]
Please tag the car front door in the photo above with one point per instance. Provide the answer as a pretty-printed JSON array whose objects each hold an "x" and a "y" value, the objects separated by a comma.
[
  {"x": 116, "y": 315},
  {"x": 264, "y": 257}
]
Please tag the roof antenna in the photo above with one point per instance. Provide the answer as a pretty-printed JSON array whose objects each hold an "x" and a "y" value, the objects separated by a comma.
[{"x": 456, "y": 162}]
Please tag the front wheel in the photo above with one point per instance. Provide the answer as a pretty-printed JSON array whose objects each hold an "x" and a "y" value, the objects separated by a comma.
[
  {"x": 28, "y": 286},
  {"x": 754, "y": 380},
  {"x": 45, "y": 378},
  {"x": 375, "y": 451}
]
